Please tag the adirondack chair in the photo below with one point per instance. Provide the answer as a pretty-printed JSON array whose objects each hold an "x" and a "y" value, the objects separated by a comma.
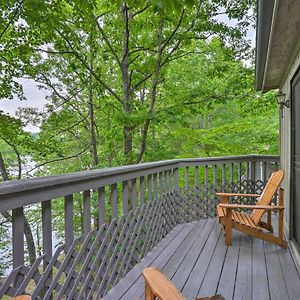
[
  {"x": 231, "y": 218},
  {"x": 157, "y": 284}
]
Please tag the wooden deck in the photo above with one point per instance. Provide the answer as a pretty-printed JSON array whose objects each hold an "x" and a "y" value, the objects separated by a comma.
[{"x": 196, "y": 259}]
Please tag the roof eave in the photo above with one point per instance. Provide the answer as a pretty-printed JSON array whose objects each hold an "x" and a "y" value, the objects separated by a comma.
[{"x": 264, "y": 21}]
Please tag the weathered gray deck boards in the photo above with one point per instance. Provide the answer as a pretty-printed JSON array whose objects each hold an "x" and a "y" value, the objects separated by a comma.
[
  {"x": 195, "y": 257},
  {"x": 164, "y": 249},
  {"x": 227, "y": 282}
]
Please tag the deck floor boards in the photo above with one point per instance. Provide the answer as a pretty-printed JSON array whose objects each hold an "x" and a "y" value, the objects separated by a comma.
[{"x": 196, "y": 259}]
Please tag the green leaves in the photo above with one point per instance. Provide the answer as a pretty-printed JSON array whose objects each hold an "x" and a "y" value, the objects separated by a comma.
[{"x": 99, "y": 61}]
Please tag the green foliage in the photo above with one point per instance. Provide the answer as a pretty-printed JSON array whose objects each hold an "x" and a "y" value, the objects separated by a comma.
[{"x": 208, "y": 107}]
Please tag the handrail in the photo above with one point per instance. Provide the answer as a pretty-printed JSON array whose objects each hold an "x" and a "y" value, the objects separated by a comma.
[{"x": 18, "y": 193}]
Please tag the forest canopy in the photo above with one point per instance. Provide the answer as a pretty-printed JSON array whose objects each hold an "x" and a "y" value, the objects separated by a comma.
[{"x": 130, "y": 82}]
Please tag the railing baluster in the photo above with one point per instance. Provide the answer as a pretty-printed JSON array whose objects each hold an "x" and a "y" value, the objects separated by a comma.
[
  {"x": 170, "y": 180},
  {"x": 142, "y": 190},
  {"x": 259, "y": 167},
  {"x": 155, "y": 191},
  {"x": 215, "y": 175},
  {"x": 133, "y": 194},
  {"x": 161, "y": 183},
  {"x": 231, "y": 173},
  {"x": 240, "y": 172},
  {"x": 69, "y": 213},
  {"x": 206, "y": 176},
  {"x": 164, "y": 180},
  {"x": 223, "y": 175},
  {"x": 253, "y": 171},
  {"x": 114, "y": 200},
  {"x": 86, "y": 212},
  {"x": 186, "y": 176},
  {"x": 18, "y": 236},
  {"x": 125, "y": 197},
  {"x": 101, "y": 205},
  {"x": 167, "y": 183},
  {"x": 196, "y": 178},
  {"x": 247, "y": 171},
  {"x": 149, "y": 186},
  {"x": 264, "y": 171},
  {"x": 176, "y": 179}
]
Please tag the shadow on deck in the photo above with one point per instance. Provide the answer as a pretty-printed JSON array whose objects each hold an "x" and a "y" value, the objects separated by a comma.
[{"x": 196, "y": 259}]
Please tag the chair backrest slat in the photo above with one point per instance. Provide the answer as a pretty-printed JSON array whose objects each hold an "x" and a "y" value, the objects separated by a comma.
[{"x": 267, "y": 195}]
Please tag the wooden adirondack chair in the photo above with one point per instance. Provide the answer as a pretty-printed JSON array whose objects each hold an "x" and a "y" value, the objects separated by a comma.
[
  {"x": 252, "y": 225},
  {"x": 157, "y": 284}
]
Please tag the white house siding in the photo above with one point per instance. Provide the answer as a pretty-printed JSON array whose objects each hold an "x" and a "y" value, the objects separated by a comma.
[{"x": 285, "y": 139}]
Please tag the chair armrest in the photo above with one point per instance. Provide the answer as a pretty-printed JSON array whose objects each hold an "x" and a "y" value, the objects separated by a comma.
[
  {"x": 160, "y": 286},
  {"x": 243, "y": 206},
  {"x": 237, "y": 195}
]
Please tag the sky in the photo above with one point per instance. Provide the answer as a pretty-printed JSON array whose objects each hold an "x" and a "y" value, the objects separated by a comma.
[
  {"x": 37, "y": 98},
  {"x": 34, "y": 98}
]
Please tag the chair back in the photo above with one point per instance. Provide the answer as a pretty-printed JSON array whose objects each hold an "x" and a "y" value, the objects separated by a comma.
[{"x": 267, "y": 195}]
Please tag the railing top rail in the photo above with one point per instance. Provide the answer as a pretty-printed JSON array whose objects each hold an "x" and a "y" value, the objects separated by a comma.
[
  {"x": 23, "y": 192},
  {"x": 228, "y": 159},
  {"x": 47, "y": 181}
]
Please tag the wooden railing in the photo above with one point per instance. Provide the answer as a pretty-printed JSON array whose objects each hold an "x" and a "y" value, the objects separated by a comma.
[{"x": 119, "y": 195}]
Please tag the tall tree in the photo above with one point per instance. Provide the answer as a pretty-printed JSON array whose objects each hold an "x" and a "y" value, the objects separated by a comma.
[{"x": 131, "y": 44}]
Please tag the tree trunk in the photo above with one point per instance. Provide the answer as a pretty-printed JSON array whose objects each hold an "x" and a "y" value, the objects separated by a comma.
[
  {"x": 127, "y": 108},
  {"x": 95, "y": 158},
  {"x": 27, "y": 229},
  {"x": 3, "y": 169},
  {"x": 153, "y": 93}
]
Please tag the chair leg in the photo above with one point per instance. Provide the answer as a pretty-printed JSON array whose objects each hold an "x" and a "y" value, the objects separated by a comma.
[
  {"x": 280, "y": 224},
  {"x": 148, "y": 293},
  {"x": 280, "y": 215},
  {"x": 228, "y": 228}
]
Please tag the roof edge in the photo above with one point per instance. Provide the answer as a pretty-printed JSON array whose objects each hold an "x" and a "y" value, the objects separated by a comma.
[{"x": 265, "y": 10}]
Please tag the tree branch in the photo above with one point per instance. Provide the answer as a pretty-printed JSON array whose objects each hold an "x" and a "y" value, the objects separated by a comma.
[
  {"x": 113, "y": 51},
  {"x": 54, "y": 52},
  {"x": 169, "y": 59},
  {"x": 145, "y": 78},
  {"x": 140, "y": 11},
  {"x": 12, "y": 19},
  {"x": 138, "y": 49},
  {"x": 86, "y": 65},
  {"x": 174, "y": 31},
  {"x": 59, "y": 159},
  {"x": 70, "y": 127}
]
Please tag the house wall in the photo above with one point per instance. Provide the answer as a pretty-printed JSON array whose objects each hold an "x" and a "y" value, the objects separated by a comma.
[
  {"x": 285, "y": 154},
  {"x": 285, "y": 140}
]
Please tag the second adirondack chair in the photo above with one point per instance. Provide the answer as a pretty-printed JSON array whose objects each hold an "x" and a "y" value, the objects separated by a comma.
[
  {"x": 157, "y": 284},
  {"x": 231, "y": 218}
]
